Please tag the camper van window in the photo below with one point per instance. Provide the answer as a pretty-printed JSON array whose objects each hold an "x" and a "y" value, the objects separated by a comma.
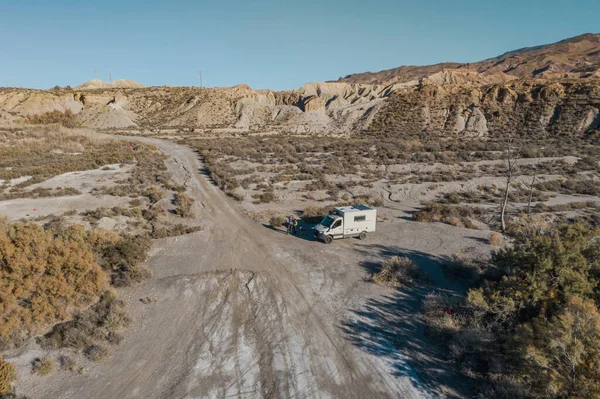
[
  {"x": 337, "y": 224},
  {"x": 360, "y": 218},
  {"x": 328, "y": 221}
]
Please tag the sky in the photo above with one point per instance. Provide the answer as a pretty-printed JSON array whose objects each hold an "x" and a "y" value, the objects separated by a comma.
[{"x": 274, "y": 44}]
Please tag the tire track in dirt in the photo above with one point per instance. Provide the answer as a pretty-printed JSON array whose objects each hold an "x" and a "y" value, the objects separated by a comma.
[{"x": 236, "y": 315}]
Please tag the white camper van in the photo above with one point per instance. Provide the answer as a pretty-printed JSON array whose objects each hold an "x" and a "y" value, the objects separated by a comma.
[{"x": 347, "y": 221}]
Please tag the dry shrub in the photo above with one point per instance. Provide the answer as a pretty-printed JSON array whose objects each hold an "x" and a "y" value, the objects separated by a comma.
[
  {"x": 235, "y": 195},
  {"x": 459, "y": 216},
  {"x": 154, "y": 193},
  {"x": 42, "y": 366},
  {"x": 265, "y": 197},
  {"x": 463, "y": 267},
  {"x": 67, "y": 118},
  {"x": 185, "y": 205},
  {"x": 100, "y": 323},
  {"x": 47, "y": 152},
  {"x": 96, "y": 353},
  {"x": 39, "y": 192},
  {"x": 45, "y": 274},
  {"x": 315, "y": 212},
  {"x": 67, "y": 363},
  {"x": 171, "y": 230},
  {"x": 8, "y": 375},
  {"x": 123, "y": 260},
  {"x": 397, "y": 271},
  {"x": 439, "y": 314},
  {"x": 277, "y": 221},
  {"x": 495, "y": 239}
]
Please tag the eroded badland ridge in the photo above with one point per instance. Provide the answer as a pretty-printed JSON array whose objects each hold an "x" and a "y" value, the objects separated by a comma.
[{"x": 540, "y": 90}]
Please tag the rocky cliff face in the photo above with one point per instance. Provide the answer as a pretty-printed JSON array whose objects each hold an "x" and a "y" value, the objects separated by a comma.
[
  {"x": 567, "y": 107},
  {"x": 449, "y": 108},
  {"x": 317, "y": 107}
]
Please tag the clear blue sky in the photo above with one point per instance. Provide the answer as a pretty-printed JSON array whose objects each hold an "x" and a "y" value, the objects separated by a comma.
[{"x": 277, "y": 44}]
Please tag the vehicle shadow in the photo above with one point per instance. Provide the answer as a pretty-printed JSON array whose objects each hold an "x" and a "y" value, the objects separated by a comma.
[
  {"x": 305, "y": 231},
  {"x": 391, "y": 327}
]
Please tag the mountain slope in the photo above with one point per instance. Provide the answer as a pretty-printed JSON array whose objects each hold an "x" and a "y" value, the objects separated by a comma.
[{"x": 577, "y": 57}]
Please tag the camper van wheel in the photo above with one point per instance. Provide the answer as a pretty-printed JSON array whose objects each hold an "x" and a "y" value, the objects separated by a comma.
[
  {"x": 362, "y": 235},
  {"x": 328, "y": 239}
]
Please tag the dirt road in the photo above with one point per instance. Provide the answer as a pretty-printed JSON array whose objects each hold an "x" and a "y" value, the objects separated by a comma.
[{"x": 244, "y": 311}]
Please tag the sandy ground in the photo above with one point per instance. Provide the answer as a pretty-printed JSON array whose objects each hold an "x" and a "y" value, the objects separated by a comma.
[
  {"x": 84, "y": 181},
  {"x": 246, "y": 311}
]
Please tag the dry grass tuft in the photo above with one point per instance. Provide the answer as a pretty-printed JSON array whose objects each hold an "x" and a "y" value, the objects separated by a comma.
[
  {"x": 496, "y": 239},
  {"x": 67, "y": 119},
  {"x": 7, "y": 376},
  {"x": 398, "y": 271},
  {"x": 42, "y": 366},
  {"x": 185, "y": 205}
]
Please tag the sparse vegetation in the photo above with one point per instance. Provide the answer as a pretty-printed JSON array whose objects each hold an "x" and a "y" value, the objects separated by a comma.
[
  {"x": 67, "y": 119},
  {"x": 572, "y": 186},
  {"x": 44, "y": 152},
  {"x": 532, "y": 328},
  {"x": 398, "y": 271},
  {"x": 265, "y": 198},
  {"x": 8, "y": 375},
  {"x": 96, "y": 353},
  {"x": 185, "y": 205},
  {"x": 46, "y": 274},
  {"x": 495, "y": 239},
  {"x": 42, "y": 366},
  {"x": 91, "y": 328},
  {"x": 277, "y": 221},
  {"x": 66, "y": 363},
  {"x": 122, "y": 258},
  {"x": 459, "y": 216}
]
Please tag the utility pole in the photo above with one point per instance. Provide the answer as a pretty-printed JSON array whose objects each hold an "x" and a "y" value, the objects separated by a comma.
[
  {"x": 110, "y": 77},
  {"x": 201, "y": 83}
]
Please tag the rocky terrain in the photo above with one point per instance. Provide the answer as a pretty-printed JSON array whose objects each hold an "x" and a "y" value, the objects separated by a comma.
[
  {"x": 545, "y": 89},
  {"x": 576, "y": 57}
]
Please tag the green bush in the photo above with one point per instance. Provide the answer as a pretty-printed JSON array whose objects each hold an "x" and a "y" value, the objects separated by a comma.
[{"x": 532, "y": 327}]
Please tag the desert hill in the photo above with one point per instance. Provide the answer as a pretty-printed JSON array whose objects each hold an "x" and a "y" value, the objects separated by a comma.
[
  {"x": 115, "y": 84},
  {"x": 577, "y": 57},
  {"x": 439, "y": 105},
  {"x": 541, "y": 90}
]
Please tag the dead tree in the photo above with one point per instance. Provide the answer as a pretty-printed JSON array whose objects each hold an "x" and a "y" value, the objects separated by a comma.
[
  {"x": 535, "y": 173},
  {"x": 511, "y": 163}
]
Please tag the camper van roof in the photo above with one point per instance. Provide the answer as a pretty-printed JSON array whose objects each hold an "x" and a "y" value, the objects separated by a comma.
[{"x": 355, "y": 208}]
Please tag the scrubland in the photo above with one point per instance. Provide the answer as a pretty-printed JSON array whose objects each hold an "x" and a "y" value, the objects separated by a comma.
[{"x": 60, "y": 273}]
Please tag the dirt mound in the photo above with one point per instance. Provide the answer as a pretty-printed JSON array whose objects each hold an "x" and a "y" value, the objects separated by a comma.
[
  {"x": 99, "y": 116},
  {"x": 115, "y": 84}
]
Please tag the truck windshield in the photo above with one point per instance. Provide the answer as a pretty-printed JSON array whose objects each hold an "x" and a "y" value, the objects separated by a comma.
[{"x": 328, "y": 221}]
